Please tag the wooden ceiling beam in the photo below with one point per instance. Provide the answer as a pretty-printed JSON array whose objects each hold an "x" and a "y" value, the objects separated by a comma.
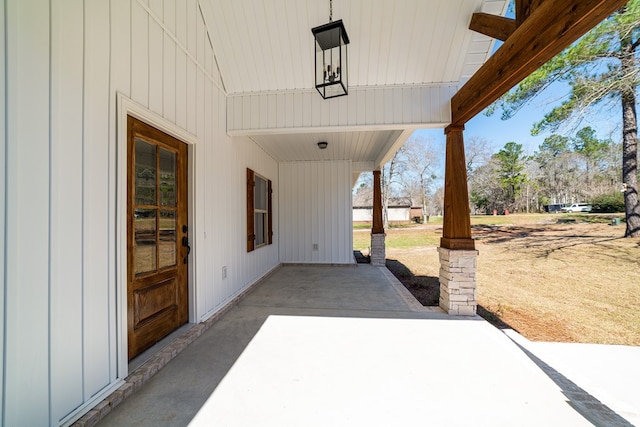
[
  {"x": 524, "y": 8},
  {"x": 550, "y": 27},
  {"x": 497, "y": 27}
]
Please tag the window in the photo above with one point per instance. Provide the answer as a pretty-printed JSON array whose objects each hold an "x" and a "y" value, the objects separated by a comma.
[{"x": 259, "y": 211}]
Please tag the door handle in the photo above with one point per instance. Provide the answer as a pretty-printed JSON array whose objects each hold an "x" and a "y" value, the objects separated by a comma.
[{"x": 185, "y": 243}]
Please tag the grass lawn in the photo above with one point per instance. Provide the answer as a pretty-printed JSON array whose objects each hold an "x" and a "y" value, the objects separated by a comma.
[{"x": 570, "y": 282}]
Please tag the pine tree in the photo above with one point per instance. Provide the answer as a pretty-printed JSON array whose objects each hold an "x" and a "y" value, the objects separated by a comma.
[{"x": 600, "y": 68}]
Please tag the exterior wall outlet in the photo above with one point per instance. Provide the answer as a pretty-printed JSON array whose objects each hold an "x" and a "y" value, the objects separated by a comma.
[
  {"x": 315, "y": 246},
  {"x": 224, "y": 272}
]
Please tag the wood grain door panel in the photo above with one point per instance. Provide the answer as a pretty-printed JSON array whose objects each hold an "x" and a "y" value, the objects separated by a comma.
[{"x": 157, "y": 299}]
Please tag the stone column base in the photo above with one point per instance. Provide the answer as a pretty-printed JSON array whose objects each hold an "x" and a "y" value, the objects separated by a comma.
[
  {"x": 378, "y": 255},
  {"x": 458, "y": 281}
]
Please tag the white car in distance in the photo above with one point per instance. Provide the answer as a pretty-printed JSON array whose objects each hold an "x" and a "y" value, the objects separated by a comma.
[{"x": 577, "y": 207}]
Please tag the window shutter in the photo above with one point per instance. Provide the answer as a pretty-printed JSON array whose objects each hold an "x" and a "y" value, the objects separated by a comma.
[
  {"x": 251, "y": 237},
  {"x": 269, "y": 214}
]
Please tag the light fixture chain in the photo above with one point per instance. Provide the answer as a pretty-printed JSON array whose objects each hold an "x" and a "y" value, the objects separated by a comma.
[{"x": 330, "y": 10}]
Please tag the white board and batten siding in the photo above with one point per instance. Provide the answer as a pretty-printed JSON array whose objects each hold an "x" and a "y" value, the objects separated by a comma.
[
  {"x": 224, "y": 238},
  {"x": 67, "y": 63},
  {"x": 315, "y": 212}
]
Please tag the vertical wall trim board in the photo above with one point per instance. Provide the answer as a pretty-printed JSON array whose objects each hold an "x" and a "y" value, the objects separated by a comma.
[
  {"x": 130, "y": 91},
  {"x": 139, "y": 64},
  {"x": 26, "y": 376},
  {"x": 156, "y": 63},
  {"x": 49, "y": 219},
  {"x": 82, "y": 216},
  {"x": 111, "y": 226},
  {"x": 97, "y": 292},
  {"x": 67, "y": 66},
  {"x": 3, "y": 199}
]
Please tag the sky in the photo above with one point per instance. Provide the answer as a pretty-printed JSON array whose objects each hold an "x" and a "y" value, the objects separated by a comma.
[{"x": 518, "y": 128}]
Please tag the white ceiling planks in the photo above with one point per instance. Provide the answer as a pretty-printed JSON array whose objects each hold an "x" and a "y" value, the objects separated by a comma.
[
  {"x": 361, "y": 146},
  {"x": 266, "y": 47}
]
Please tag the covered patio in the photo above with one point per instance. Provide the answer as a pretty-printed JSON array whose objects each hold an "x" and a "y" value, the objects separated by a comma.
[
  {"x": 318, "y": 346},
  {"x": 244, "y": 174}
]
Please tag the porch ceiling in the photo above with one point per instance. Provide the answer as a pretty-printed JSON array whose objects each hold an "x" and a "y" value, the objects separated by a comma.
[
  {"x": 361, "y": 146},
  {"x": 266, "y": 46}
]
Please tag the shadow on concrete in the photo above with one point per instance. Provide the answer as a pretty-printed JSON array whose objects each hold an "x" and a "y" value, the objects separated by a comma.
[
  {"x": 584, "y": 403},
  {"x": 174, "y": 392}
]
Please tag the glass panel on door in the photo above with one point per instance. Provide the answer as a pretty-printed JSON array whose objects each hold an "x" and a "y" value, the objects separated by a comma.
[
  {"x": 145, "y": 173},
  {"x": 145, "y": 240},
  {"x": 168, "y": 243},
  {"x": 167, "y": 178}
]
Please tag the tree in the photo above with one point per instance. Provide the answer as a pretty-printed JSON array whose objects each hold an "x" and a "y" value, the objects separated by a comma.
[
  {"x": 559, "y": 175},
  {"x": 420, "y": 159},
  {"x": 477, "y": 153},
  {"x": 510, "y": 171},
  {"x": 363, "y": 194},
  {"x": 601, "y": 68},
  {"x": 390, "y": 179},
  {"x": 437, "y": 202},
  {"x": 591, "y": 149},
  {"x": 485, "y": 191},
  {"x": 482, "y": 190}
]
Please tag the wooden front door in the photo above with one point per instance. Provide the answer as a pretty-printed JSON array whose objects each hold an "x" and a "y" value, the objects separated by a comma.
[{"x": 157, "y": 235}]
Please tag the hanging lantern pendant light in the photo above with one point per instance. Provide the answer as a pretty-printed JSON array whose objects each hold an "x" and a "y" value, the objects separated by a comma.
[{"x": 331, "y": 57}]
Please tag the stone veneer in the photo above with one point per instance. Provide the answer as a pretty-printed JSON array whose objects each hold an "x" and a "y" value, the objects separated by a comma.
[
  {"x": 458, "y": 281},
  {"x": 378, "y": 254}
]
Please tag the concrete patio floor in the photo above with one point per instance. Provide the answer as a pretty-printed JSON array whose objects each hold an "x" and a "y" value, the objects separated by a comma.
[{"x": 333, "y": 346}]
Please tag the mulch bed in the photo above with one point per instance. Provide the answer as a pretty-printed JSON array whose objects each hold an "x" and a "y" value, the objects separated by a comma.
[{"x": 425, "y": 289}]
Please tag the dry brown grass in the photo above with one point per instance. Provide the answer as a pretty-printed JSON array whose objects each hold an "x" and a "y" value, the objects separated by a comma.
[{"x": 551, "y": 282}]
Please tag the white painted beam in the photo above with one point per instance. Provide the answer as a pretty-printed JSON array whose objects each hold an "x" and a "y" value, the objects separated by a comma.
[
  {"x": 362, "y": 166},
  {"x": 365, "y": 108}
]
